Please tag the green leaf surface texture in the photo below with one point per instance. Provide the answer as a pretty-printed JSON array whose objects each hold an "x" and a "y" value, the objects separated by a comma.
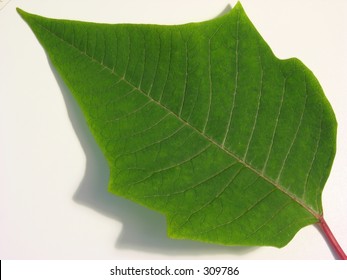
[{"x": 201, "y": 122}]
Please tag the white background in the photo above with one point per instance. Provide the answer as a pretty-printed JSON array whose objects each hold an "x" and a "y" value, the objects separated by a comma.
[{"x": 53, "y": 178}]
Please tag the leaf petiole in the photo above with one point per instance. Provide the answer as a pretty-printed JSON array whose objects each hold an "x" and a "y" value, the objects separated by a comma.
[{"x": 331, "y": 238}]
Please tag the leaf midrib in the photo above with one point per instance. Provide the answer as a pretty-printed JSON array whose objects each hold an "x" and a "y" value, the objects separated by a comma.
[{"x": 230, "y": 153}]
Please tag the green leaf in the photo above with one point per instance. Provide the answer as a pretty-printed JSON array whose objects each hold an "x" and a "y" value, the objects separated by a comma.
[{"x": 201, "y": 122}]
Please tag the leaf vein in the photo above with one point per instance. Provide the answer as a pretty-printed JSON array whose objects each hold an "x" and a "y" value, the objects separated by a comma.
[
  {"x": 275, "y": 213},
  {"x": 168, "y": 70},
  {"x": 199, "y": 153},
  {"x": 196, "y": 185},
  {"x": 294, "y": 138},
  {"x": 130, "y": 113},
  {"x": 210, "y": 78},
  {"x": 154, "y": 143},
  {"x": 185, "y": 80},
  {"x": 276, "y": 125},
  {"x": 257, "y": 112},
  {"x": 313, "y": 159},
  {"x": 223, "y": 189},
  {"x": 235, "y": 81},
  {"x": 139, "y": 132},
  {"x": 250, "y": 208},
  {"x": 156, "y": 67}
]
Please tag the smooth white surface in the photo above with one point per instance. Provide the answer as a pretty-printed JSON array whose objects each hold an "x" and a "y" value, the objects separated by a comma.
[{"x": 53, "y": 178}]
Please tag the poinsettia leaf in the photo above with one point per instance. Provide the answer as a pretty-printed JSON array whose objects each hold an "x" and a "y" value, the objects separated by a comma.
[{"x": 201, "y": 122}]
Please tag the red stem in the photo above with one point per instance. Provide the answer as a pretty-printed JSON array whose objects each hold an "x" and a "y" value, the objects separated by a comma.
[{"x": 329, "y": 235}]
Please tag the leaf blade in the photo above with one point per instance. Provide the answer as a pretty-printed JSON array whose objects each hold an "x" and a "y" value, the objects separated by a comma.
[{"x": 170, "y": 85}]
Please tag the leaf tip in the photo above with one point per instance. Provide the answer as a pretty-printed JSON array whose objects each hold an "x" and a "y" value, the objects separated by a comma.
[
  {"x": 238, "y": 6},
  {"x": 20, "y": 11},
  {"x": 25, "y": 15}
]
